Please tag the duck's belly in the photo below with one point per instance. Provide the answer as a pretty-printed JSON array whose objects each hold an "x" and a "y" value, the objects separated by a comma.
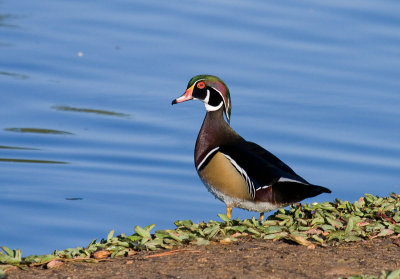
[
  {"x": 251, "y": 205},
  {"x": 223, "y": 180}
]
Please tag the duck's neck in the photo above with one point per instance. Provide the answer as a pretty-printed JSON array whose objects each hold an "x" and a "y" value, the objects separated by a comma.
[{"x": 214, "y": 132}]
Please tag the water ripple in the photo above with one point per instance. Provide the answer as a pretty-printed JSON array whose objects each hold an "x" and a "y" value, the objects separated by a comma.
[
  {"x": 13, "y": 160},
  {"x": 38, "y": 131},
  {"x": 87, "y": 110}
]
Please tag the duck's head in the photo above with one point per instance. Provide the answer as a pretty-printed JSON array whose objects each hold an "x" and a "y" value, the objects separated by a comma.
[{"x": 211, "y": 90}]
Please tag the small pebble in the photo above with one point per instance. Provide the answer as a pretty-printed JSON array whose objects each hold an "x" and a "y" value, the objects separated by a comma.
[
  {"x": 101, "y": 254},
  {"x": 53, "y": 264}
]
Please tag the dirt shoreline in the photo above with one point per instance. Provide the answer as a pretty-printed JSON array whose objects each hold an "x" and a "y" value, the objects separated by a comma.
[{"x": 247, "y": 258}]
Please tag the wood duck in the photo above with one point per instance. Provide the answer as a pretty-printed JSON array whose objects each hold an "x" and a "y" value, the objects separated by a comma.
[{"x": 238, "y": 172}]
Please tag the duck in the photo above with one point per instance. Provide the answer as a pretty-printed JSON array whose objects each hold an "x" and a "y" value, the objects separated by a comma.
[{"x": 240, "y": 173}]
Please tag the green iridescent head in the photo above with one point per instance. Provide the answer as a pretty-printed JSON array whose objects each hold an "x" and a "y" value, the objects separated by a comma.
[{"x": 211, "y": 90}]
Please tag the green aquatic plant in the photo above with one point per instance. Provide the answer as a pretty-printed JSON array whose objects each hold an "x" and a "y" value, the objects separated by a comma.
[
  {"x": 8, "y": 256},
  {"x": 306, "y": 224},
  {"x": 386, "y": 274}
]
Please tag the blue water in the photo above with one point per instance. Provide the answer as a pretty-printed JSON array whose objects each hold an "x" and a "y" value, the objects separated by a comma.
[{"x": 89, "y": 141}]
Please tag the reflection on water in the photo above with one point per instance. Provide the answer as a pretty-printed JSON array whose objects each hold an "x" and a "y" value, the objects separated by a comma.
[
  {"x": 3, "y": 18},
  {"x": 17, "y": 147},
  {"x": 31, "y": 161},
  {"x": 14, "y": 75},
  {"x": 38, "y": 131},
  {"x": 96, "y": 111}
]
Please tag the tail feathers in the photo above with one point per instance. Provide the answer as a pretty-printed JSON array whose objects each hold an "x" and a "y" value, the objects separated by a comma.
[
  {"x": 291, "y": 192},
  {"x": 320, "y": 189}
]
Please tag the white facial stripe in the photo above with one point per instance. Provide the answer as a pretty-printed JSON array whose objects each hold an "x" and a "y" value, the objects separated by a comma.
[
  {"x": 243, "y": 173},
  {"x": 227, "y": 105},
  {"x": 285, "y": 179},
  {"x": 205, "y": 158},
  {"x": 208, "y": 106},
  {"x": 207, "y": 99}
]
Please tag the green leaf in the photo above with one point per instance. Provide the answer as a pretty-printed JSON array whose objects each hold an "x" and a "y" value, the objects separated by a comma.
[
  {"x": 282, "y": 216},
  {"x": 8, "y": 251},
  {"x": 123, "y": 244},
  {"x": 18, "y": 254},
  {"x": 352, "y": 238},
  {"x": 239, "y": 228},
  {"x": 253, "y": 231},
  {"x": 142, "y": 232},
  {"x": 302, "y": 240},
  {"x": 211, "y": 231},
  {"x": 276, "y": 235},
  {"x": 318, "y": 220},
  {"x": 247, "y": 223},
  {"x": 149, "y": 227},
  {"x": 202, "y": 241},
  {"x": 350, "y": 225},
  {"x": 269, "y": 223},
  {"x": 188, "y": 224},
  {"x": 254, "y": 221},
  {"x": 110, "y": 235},
  {"x": 150, "y": 246},
  {"x": 389, "y": 208},
  {"x": 339, "y": 235},
  {"x": 301, "y": 221},
  {"x": 327, "y": 228},
  {"x": 369, "y": 198},
  {"x": 45, "y": 258},
  {"x": 317, "y": 238},
  {"x": 272, "y": 229},
  {"x": 328, "y": 206},
  {"x": 334, "y": 222},
  {"x": 172, "y": 235},
  {"x": 224, "y": 217},
  {"x": 8, "y": 260},
  {"x": 186, "y": 235},
  {"x": 93, "y": 242},
  {"x": 302, "y": 228},
  {"x": 394, "y": 274},
  {"x": 385, "y": 232},
  {"x": 134, "y": 238}
]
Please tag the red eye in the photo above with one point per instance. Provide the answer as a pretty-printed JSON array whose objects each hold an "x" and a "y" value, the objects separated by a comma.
[{"x": 201, "y": 85}]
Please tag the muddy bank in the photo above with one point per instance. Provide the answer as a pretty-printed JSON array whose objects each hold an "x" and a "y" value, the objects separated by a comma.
[{"x": 247, "y": 258}]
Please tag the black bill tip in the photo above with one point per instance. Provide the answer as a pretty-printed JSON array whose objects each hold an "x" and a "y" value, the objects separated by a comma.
[{"x": 174, "y": 102}]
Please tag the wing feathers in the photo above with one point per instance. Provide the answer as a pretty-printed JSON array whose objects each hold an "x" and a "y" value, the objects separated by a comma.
[
  {"x": 268, "y": 179},
  {"x": 243, "y": 173}
]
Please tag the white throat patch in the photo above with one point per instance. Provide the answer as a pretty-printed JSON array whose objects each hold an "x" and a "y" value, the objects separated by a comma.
[{"x": 209, "y": 107}]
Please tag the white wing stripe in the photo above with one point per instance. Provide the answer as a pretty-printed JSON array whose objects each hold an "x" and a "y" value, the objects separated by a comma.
[
  {"x": 263, "y": 187},
  {"x": 285, "y": 179},
  {"x": 205, "y": 158}
]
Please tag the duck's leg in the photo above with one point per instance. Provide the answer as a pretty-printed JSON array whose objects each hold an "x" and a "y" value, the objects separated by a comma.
[
  {"x": 228, "y": 211},
  {"x": 261, "y": 216}
]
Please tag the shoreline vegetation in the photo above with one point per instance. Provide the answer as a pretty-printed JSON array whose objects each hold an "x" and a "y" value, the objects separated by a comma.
[{"x": 311, "y": 225}]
